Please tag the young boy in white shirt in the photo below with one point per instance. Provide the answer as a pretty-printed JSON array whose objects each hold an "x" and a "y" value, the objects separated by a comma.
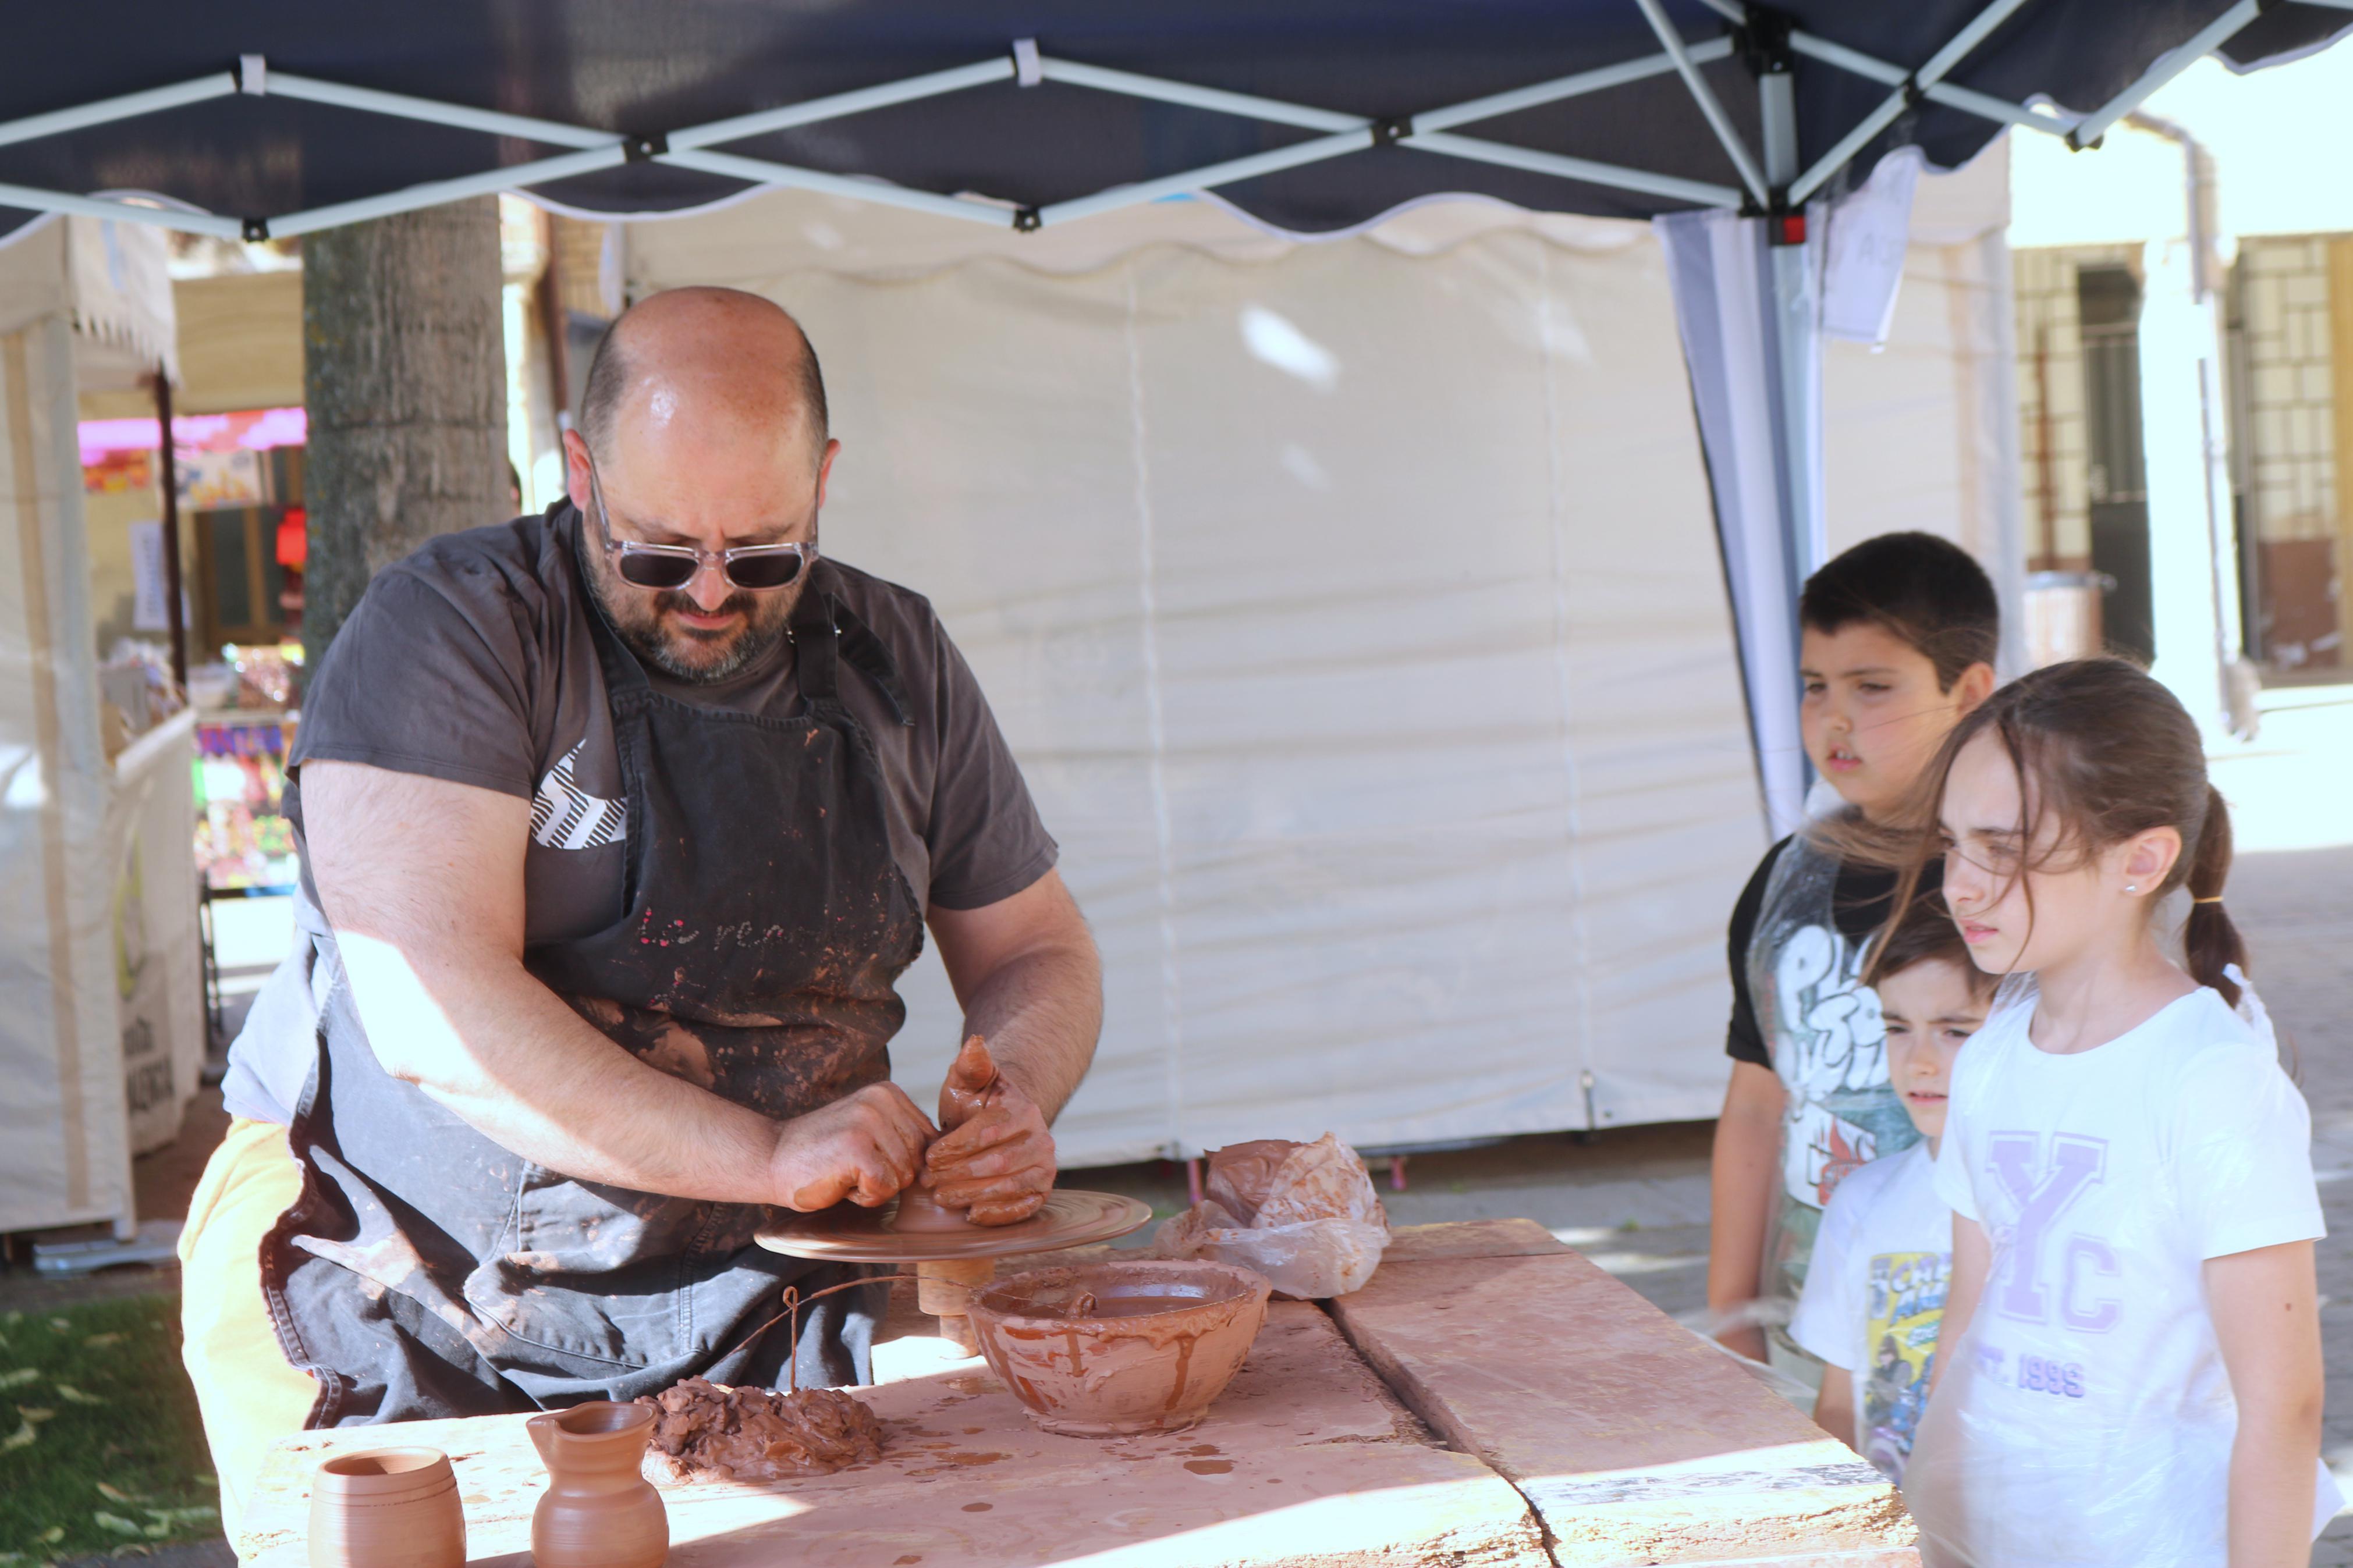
[{"x": 1876, "y": 1294}]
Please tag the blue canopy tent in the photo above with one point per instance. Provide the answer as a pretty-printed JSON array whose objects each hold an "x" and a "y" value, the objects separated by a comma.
[{"x": 1313, "y": 117}]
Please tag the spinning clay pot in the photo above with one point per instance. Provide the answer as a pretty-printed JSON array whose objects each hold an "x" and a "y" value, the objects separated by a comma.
[
  {"x": 598, "y": 1513},
  {"x": 1104, "y": 1350},
  {"x": 387, "y": 1507}
]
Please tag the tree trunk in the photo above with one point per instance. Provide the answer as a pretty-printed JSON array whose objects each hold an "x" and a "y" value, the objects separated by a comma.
[{"x": 405, "y": 377}]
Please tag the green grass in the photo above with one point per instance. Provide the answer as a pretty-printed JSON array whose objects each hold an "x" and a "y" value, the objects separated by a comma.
[{"x": 100, "y": 1447}]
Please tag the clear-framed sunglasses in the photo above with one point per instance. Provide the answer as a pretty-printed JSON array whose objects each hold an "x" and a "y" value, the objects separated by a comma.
[{"x": 755, "y": 567}]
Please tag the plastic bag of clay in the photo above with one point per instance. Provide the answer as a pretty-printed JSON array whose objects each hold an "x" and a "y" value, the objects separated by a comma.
[{"x": 1303, "y": 1215}]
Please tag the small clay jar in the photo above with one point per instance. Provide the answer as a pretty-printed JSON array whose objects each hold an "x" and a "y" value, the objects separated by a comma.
[
  {"x": 599, "y": 1511},
  {"x": 386, "y": 1507}
]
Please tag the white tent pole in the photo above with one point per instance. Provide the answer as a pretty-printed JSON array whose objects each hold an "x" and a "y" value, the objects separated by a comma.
[
  {"x": 557, "y": 134},
  {"x": 1998, "y": 381},
  {"x": 432, "y": 193},
  {"x": 1104, "y": 79},
  {"x": 554, "y": 133},
  {"x": 1704, "y": 96},
  {"x": 1984, "y": 105},
  {"x": 1504, "y": 155},
  {"x": 841, "y": 103},
  {"x": 1575, "y": 86},
  {"x": 1794, "y": 334},
  {"x": 761, "y": 171},
  {"x": 29, "y": 198},
  {"x": 2168, "y": 66},
  {"x": 1275, "y": 112},
  {"x": 154, "y": 101},
  {"x": 1939, "y": 65},
  {"x": 1208, "y": 177}
]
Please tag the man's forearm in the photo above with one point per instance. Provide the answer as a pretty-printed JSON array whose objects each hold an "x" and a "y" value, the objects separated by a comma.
[
  {"x": 1041, "y": 1015},
  {"x": 510, "y": 1060}
]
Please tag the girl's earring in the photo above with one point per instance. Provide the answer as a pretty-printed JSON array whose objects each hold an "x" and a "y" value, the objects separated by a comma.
[{"x": 2132, "y": 886}]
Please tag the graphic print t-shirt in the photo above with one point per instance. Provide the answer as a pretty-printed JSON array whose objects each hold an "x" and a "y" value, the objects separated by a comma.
[
  {"x": 471, "y": 661},
  {"x": 1800, "y": 973},
  {"x": 1875, "y": 1297},
  {"x": 2092, "y": 1388}
]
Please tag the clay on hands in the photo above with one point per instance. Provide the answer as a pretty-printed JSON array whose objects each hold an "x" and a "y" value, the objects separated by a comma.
[
  {"x": 995, "y": 1159},
  {"x": 703, "y": 1428}
]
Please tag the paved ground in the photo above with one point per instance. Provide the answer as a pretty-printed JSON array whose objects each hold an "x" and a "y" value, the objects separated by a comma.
[{"x": 2296, "y": 909}]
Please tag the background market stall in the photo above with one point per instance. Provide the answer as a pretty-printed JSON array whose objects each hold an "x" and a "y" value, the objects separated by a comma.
[{"x": 101, "y": 1025}]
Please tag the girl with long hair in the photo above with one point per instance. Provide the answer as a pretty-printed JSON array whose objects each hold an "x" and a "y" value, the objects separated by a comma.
[{"x": 2133, "y": 1373}]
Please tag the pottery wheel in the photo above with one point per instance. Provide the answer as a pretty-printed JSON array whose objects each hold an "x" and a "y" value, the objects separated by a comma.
[{"x": 848, "y": 1234}]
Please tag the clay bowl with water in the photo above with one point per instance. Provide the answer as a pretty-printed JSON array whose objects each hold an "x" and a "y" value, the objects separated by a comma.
[
  {"x": 1107, "y": 1350},
  {"x": 386, "y": 1507}
]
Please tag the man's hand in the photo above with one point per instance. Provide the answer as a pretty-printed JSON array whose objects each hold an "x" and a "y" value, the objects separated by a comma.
[
  {"x": 865, "y": 1147},
  {"x": 995, "y": 1159}
]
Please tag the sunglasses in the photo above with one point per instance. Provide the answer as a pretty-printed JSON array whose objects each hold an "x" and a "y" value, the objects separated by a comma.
[{"x": 755, "y": 567}]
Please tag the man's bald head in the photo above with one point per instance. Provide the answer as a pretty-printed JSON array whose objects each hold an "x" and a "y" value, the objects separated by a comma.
[{"x": 705, "y": 354}]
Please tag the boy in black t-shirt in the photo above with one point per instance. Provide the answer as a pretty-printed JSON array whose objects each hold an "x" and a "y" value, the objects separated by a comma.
[{"x": 1898, "y": 642}]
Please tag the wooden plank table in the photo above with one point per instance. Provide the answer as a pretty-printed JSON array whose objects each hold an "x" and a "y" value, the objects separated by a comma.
[
  {"x": 1310, "y": 1458},
  {"x": 1634, "y": 1440}
]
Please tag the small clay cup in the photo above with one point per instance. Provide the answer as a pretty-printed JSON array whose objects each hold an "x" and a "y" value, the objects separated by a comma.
[
  {"x": 386, "y": 1507},
  {"x": 600, "y": 1510},
  {"x": 1107, "y": 1350}
]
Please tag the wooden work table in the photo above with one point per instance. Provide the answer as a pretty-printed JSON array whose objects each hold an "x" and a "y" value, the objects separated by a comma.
[{"x": 1490, "y": 1398}]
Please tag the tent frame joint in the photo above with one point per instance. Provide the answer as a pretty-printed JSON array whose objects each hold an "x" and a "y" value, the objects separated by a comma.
[
  {"x": 1763, "y": 42},
  {"x": 253, "y": 230},
  {"x": 645, "y": 149},
  {"x": 1028, "y": 220},
  {"x": 1388, "y": 132}
]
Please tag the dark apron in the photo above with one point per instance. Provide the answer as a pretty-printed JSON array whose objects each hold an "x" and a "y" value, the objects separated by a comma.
[{"x": 426, "y": 1272}]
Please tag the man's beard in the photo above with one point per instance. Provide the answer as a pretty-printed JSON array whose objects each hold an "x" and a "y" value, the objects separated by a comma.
[{"x": 699, "y": 658}]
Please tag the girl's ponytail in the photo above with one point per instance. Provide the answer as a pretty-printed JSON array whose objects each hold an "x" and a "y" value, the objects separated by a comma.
[{"x": 2210, "y": 940}]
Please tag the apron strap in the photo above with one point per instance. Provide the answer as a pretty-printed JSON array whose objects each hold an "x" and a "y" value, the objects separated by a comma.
[
  {"x": 816, "y": 653},
  {"x": 866, "y": 652}
]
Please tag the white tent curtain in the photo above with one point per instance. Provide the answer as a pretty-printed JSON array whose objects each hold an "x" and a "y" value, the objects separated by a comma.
[
  {"x": 1356, "y": 611},
  {"x": 157, "y": 965},
  {"x": 64, "y": 1156}
]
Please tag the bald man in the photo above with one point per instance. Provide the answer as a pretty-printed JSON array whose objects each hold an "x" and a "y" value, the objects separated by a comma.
[{"x": 618, "y": 825}]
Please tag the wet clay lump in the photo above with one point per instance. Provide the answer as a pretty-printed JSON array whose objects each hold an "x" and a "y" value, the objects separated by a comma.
[
  {"x": 702, "y": 1428},
  {"x": 919, "y": 1212}
]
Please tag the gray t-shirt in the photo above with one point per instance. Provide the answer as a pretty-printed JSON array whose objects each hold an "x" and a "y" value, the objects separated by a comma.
[{"x": 471, "y": 661}]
